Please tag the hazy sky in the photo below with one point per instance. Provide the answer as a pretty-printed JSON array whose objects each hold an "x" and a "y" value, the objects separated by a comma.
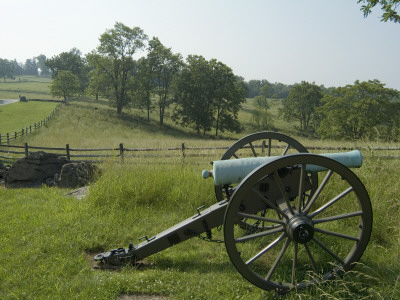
[{"x": 321, "y": 41}]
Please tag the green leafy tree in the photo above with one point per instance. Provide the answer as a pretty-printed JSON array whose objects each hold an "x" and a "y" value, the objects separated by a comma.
[
  {"x": 165, "y": 67},
  {"x": 70, "y": 61},
  {"x": 362, "y": 110},
  {"x": 30, "y": 67},
  {"x": 228, "y": 97},
  {"x": 209, "y": 95},
  {"x": 194, "y": 95},
  {"x": 113, "y": 63},
  {"x": 41, "y": 64},
  {"x": 7, "y": 69},
  {"x": 301, "y": 103},
  {"x": 260, "y": 112},
  {"x": 65, "y": 85},
  {"x": 143, "y": 86},
  {"x": 389, "y": 8}
]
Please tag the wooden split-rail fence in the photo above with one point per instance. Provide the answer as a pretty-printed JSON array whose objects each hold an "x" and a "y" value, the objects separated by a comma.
[
  {"x": 7, "y": 138},
  {"x": 10, "y": 153}
]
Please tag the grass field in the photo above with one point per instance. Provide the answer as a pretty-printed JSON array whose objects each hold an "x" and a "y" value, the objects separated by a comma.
[
  {"x": 19, "y": 115},
  {"x": 48, "y": 239},
  {"x": 32, "y": 87}
]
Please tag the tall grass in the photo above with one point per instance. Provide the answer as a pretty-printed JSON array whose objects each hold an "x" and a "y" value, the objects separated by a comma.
[{"x": 48, "y": 240}]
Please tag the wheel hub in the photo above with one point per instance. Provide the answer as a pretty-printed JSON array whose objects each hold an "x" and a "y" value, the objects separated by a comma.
[{"x": 300, "y": 229}]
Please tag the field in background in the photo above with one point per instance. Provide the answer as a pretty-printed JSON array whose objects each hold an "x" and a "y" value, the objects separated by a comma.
[
  {"x": 49, "y": 238},
  {"x": 32, "y": 87},
  {"x": 19, "y": 115}
]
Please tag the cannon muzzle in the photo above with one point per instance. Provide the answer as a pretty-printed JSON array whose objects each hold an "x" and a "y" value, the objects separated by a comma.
[{"x": 234, "y": 170}]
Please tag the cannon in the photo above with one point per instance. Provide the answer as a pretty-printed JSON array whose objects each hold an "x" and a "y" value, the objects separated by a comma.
[{"x": 290, "y": 219}]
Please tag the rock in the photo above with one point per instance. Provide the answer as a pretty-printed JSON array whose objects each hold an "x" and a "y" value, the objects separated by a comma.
[
  {"x": 34, "y": 170},
  {"x": 75, "y": 175}
]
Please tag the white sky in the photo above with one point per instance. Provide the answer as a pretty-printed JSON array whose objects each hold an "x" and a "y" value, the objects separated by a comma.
[{"x": 321, "y": 41}]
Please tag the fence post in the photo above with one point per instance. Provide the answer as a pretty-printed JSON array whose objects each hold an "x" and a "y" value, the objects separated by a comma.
[
  {"x": 183, "y": 149},
  {"x": 26, "y": 150},
  {"x": 121, "y": 152},
  {"x": 67, "y": 149},
  {"x": 30, "y": 128},
  {"x": 263, "y": 148},
  {"x": 15, "y": 135},
  {"x": 8, "y": 138}
]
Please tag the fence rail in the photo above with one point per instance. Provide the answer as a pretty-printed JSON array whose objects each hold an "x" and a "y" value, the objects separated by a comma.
[
  {"x": 10, "y": 153},
  {"x": 6, "y": 138}
]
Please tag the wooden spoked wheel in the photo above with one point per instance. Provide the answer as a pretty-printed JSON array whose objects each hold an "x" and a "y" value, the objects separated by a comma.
[{"x": 301, "y": 238}]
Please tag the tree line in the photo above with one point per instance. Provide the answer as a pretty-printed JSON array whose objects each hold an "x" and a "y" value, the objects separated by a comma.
[{"x": 363, "y": 110}]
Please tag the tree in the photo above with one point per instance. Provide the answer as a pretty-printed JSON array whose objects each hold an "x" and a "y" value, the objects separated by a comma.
[
  {"x": 70, "y": 61},
  {"x": 389, "y": 8},
  {"x": 113, "y": 62},
  {"x": 301, "y": 103},
  {"x": 41, "y": 64},
  {"x": 143, "y": 86},
  {"x": 164, "y": 67},
  {"x": 6, "y": 69},
  {"x": 361, "y": 110},
  {"x": 260, "y": 112},
  {"x": 65, "y": 85},
  {"x": 30, "y": 67},
  {"x": 208, "y": 96},
  {"x": 228, "y": 97},
  {"x": 194, "y": 95}
]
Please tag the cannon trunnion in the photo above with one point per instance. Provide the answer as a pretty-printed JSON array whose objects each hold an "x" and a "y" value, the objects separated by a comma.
[{"x": 292, "y": 221}]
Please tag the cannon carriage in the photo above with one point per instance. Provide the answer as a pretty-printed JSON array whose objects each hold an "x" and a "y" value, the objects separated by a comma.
[{"x": 290, "y": 218}]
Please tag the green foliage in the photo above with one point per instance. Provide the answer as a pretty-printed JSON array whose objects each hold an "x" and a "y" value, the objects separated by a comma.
[
  {"x": 362, "y": 110},
  {"x": 164, "y": 69},
  {"x": 65, "y": 85},
  {"x": 301, "y": 103},
  {"x": 112, "y": 64},
  {"x": 6, "y": 69},
  {"x": 208, "y": 96},
  {"x": 388, "y": 7},
  {"x": 260, "y": 113},
  {"x": 70, "y": 61}
]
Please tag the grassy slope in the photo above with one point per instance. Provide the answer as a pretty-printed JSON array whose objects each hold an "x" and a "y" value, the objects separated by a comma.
[
  {"x": 46, "y": 237},
  {"x": 15, "y": 116}
]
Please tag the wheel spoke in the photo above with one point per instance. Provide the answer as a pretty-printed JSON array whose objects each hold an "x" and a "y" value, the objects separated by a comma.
[
  {"x": 318, "y": 191},
  {"x": 255, "y": 217},
  {"x": 252, "y": 149},
  {"x": 286, "y": 150},
  {"x": 294, "y": 264},
  {"x": 314, "y": 266},
  {"x": 269, "y": 147},
  {"x": 328, "y": 250},
  {"x": 338, "y": 217},
  {"x": 341, "y": 235},
  {"x": 259, "y": 234},
  {"x": 278, "y": 259},
  {"x": 283, "y": 192},
  {"x": 331, "y": 202},
  {"x": 267, "y": 248},
  {"x": 268, "y": 202},
  {"x": 301, "y": 186},
  {"x": 234, "y": 155}
]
